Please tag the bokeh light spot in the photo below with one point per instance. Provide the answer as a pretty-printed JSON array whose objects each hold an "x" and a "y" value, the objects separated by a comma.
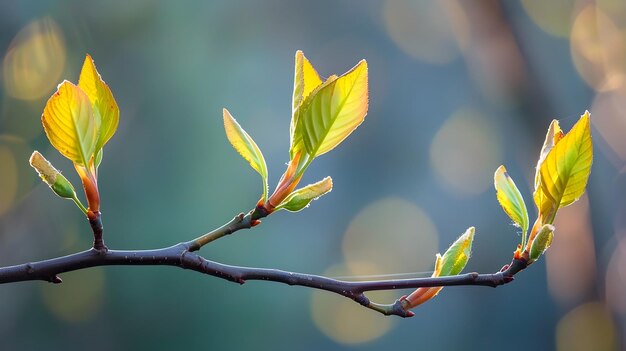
[
  {"x": 78, "y": 298},
  {"x": 35, "y": 60},
  {"x": 570, "y": 280},
  {"x": 553, "y": 17},
  {"x": 344, "y": 320},
  {"x": 616, "y": 277},
  {"x": 16, "y": 175},
  {"x": 587, "y": 327},
  {"x": 609, "y": 120},
  {"x": 598, "y": 49},
  {"x": 8, "y": 178},
  {"x": 465, "y": 152},
  {"x": 430, "y": 31},
  {"x": 392, "y": 234}
]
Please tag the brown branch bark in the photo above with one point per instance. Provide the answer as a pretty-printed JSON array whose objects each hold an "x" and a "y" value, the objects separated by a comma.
[{"x": 183, "y": 256}]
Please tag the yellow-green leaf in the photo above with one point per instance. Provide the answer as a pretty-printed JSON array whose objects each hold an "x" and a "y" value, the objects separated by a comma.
[
  {"x": 246, "y": 147},
  {"x": 451, "y": 263},
  {"x": 301, "y": 198},
  {"x": 553, "y": 136},
  {"x": 510, "y": 199},
  {"x": 69, "y": 123},
  {"x": 565, "y": 170},
  {"x": 542, "y": 242},
  {"x": 104, "y": 105},
  {"x": 455, "y": 258},
  {"x": 305, "y": 81},
  {"x": 331, "y": 113},
  {"x": 297, "y": 142}
]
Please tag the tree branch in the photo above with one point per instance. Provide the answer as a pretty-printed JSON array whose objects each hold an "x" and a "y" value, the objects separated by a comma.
[{"x": 182, "y": 255}]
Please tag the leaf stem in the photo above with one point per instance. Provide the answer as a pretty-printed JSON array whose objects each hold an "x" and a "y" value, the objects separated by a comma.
[{"x": 79, "y": 204}]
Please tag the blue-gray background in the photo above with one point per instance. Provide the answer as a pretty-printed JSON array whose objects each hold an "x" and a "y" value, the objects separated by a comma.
[{"x": 456, "y": 89}]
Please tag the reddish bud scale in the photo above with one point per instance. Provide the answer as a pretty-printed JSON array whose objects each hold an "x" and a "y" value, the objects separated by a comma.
[{"x": 90, "y": 184}]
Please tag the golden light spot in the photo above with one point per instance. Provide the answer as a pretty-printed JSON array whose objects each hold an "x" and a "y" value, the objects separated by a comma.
[
  {"x": 8, "y": 179},
  {"x": 553, "y": 17},
  {"x": 344, "y": 320},
  {"x": 394, "y": 235},
  {"x": 78, "y": 298},
  {"x": 17, "y": 178},
  {"x": 465, "y": 152},
  {"x": 616, "y": 277},
  {"x": 609, "y": 120},
  {"x": 35, "y": 60},
  {"x": 570, "y": 280},
  {"x": 587, "y": 327},
  {"x": 616, "y": 9},
  {"x": 598, "y": 49},
  {"x": 426, "y": 30}
]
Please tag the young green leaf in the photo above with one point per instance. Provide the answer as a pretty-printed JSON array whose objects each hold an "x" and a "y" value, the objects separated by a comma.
[
  {"x": 510, "y": 199},
  {"x": 451, "y": 263},
  {"x": 301, "y": 198},
  {"x": 104, "y": 105},
  {"x": 455, "y": 258},
  {"x": 554, "y": 135},
  {"x": 542, "y": 242},
  {"x": 246, "y": 147},
  {"x": 331, "y": 113},
  {"x": 98, "y": 158},
  {"x": 305, "y": 80},
  {"x": 565, "y": 170},
  {"x": 297, "y": 141},
  {"x": 70, "y": 125}
]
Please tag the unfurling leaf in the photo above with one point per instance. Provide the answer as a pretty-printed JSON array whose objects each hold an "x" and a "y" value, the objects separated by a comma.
[
  {"x": 301, "y": 198},
  {"x": 553, "y": 136},
  {"x": 542, "y": 242},
  {"x": 297, "y": 136},
  {"x": 510, "y": 199},
  {"x": 104, "y": 105},
  {"x": 304, "y": 81},
  {"x": 332, "y": 111},
  {"x": 246, "y": 147},
  {"x": 451, "y": 263},
  {"x": 70, "y": 125},
  {"x": 564, "y": 173},
  {"x": 455, "y": 258}
]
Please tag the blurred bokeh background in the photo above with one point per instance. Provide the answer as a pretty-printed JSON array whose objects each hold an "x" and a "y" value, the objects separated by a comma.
[{"x": 456, "y": 89}]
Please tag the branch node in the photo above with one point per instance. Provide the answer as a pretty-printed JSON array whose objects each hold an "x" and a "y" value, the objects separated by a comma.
[
  {"x": 362, "y": 299},
  {"x": 398, "y": 309}
]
